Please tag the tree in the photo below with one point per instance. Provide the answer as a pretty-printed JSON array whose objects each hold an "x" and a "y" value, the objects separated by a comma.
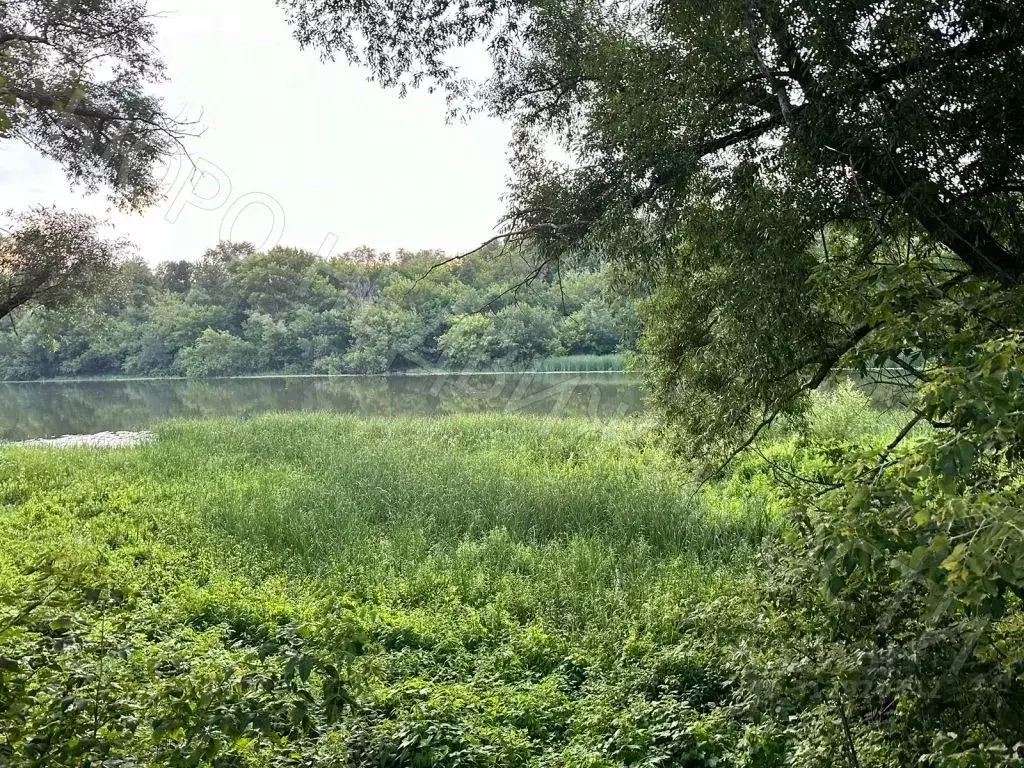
[
  {"x": 175, "y": 276},
  {"x": 73, "y": 85},
  {"x": 471, "y": 341},
  {"x": 800, "y": 187},
  {"x": 846, "y": 105},
  {"x": 281, "y": 279},
  {"x": 523, "y": 332},
  {"x": 52, "y": 257},
  {"x": 217, "y": 353},
  {"x": 386, "y": 337},
  {"x": 276, "y": 347},
  {"x": 590, "y": 330}
]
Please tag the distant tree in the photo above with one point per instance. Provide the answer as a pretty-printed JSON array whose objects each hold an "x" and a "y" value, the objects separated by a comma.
[
  {"x": 524, "y": 332},
  {"x": 32, "y": 352},
  {"x": 326, "y": 334},
  {"x": 296, "y": 312},
  {"x": 175, "y": 276},
  {"x": 471, "y": 341},
  {"x": 227, "y": 253},
  {"x": 277, "y": 347},
  {"x": 171, "y": 326},
  {"x": 134, "y": 282},
  {"x": 217, "y": 353},
  {"x": 591, "y": 330},
  {"x": 386, "y": 337},
  {"x": 213, "y": 280},
  {"x": 367, "y": 256},
  {"x": 282, "y": 279}
]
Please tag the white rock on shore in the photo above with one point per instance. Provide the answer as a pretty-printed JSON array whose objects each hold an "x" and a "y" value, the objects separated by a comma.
[{"x": 98, "y": 440}]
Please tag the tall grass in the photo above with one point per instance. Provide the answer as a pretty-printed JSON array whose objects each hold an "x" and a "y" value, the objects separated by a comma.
[
  {"x": 521, "y": 591},
  {"x": 570, "y": 522},
  {"x": 570, "y": 516},
  {"x": 582, "y": 363},
  {"x": 554, "y": 364}
]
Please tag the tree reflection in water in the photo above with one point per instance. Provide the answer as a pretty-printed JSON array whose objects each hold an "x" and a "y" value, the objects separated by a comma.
[{"x": 48, "y": 409}]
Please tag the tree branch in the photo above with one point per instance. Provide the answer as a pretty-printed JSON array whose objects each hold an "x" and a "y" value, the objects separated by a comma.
[{"x": 20, "y": 37}]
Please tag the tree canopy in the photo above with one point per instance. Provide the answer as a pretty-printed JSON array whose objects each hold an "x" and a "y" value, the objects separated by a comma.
[{"x": 239, "y": 311}]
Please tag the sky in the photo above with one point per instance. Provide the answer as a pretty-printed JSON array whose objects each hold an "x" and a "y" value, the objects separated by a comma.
[{"x": 294, "y": 151}]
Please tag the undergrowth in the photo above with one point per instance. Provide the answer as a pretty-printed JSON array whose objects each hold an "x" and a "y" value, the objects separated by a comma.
[{"x": 464, "y": 591}]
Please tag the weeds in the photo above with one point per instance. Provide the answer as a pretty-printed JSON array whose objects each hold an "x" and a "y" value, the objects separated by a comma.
[{"x": 300, "y": 590}]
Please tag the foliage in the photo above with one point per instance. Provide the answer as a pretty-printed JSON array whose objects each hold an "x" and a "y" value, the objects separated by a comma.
[
  {"x": 470, "y": 341},
  {"x": 385, "y": 337},
  {"x": 74, "y": 84},
  {"x": 50, "y": 257},
  {"x": 524, "y": 332},
  {"x": 216, "y": 353},
  {"x": 287, "y": 311},
  {"x": 799, "y": 187},
  {"x": 479, "y": 591},
  {"x": 843, "y": 111},
  {"x": 323, "y": 590},
  {"x": 593, "y": 329}
]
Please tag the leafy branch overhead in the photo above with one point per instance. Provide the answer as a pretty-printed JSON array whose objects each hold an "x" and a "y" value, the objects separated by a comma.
[
  {"x": 75, "y": 81},
  {"x": 849, "y": 108},
  {"x": 75, "y": 85}
]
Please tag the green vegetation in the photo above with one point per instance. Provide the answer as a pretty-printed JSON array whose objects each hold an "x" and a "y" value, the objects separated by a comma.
[
  {"x": 236, "y": 312},
  {"x": 470, "y": 591},
  {"x": 402, "y": 592},
  {"x": 795, "y": 187},
  {"x": 791, "y": 189},
  {"x": 582, "y": 363},
  {"x": 76, "y": 82}
]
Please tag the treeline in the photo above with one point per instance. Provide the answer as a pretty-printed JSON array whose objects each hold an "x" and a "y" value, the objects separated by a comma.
[{"x": 238, "y": 311}]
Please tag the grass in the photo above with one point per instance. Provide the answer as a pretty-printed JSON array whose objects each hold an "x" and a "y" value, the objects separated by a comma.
[
  {"x": 544, "y": 507},
  {"x": 582, "y": 363},
  {"x": 316, "y": 589},
  {"x": 461, "y": 571},
  {"x": 582, "y": 508}
]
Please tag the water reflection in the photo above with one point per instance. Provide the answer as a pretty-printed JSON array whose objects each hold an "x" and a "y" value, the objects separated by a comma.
[{"x": 48, "y": 409}]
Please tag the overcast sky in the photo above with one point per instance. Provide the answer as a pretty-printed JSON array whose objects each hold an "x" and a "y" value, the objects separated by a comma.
[{"x": 305, "y": 153}]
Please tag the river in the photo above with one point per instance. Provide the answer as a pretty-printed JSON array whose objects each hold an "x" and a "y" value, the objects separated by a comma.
[{"x": 52, "y": 408}]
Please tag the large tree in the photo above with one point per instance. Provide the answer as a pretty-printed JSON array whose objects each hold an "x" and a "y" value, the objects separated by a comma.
[
  {"x": 801, "y": 186},
  {"x": 730, "y": 143}
]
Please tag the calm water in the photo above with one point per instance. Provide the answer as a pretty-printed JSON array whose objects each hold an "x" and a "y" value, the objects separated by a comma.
[{"x": 49, "y": 409}]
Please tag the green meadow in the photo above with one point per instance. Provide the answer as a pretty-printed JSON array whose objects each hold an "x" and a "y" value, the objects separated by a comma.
[{"x": 478, "y": 590}]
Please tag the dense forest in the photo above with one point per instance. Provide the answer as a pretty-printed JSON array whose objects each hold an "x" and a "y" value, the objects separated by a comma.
[{"x": 238, "y": 311}]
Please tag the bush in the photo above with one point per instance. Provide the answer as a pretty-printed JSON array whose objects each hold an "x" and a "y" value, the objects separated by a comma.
[{"x": 217, "y": 353}]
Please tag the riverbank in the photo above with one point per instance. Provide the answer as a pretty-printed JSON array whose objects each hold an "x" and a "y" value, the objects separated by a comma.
[
  {"x": 372, "y": 591},
  {"x": 474, "y": 590}
]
